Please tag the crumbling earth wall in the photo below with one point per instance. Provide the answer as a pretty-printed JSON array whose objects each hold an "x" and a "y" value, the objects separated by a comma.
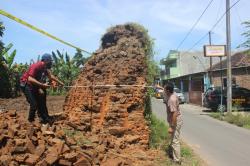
[
  {"x": 114, "y": 110},
  {"x": 100, "y": 125}
]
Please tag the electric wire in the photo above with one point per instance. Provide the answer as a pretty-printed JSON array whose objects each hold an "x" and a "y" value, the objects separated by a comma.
[
  {"x": 197, "y": 21},
  {"x": 217, "y": 22}
]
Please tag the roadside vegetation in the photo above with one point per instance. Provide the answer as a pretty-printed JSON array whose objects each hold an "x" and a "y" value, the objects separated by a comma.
[
  {"x": 160, "y": 139},
  {"x": 236, "y": 118},
  {"x": 65, "y": 67}
]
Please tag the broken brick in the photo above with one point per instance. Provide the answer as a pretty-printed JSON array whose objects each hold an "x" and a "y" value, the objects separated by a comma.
[
  {"x": 64, "y": 162},
  {"x": 82, "y": 161},
  {"x": 40, "y": 150},
  {"x": 65, "y": 148},
  {"x": 32, "y": 159},
  {"x": 70, "y": 141},
  {"x": 12, "y": 132},
  {"x": 20, "y": 142},
  {"x": 70, "y": 156},
  {"x": 60, "y": 134},
  {"x": 3, "y": 125},
  {"x": 5, "y": 160},
  {"x": 19, "y": 149},
  {"x": 21, "y": 158},
  {"x": 30, "y": 146},
  {"x": 30, "y": 131},
  {"x": 42, "y": 163},
  {"x": 12, "y": 113},
  {"x": 51, "y": 158}
]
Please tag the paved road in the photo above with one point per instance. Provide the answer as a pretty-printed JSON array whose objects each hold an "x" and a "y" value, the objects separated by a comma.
[{"x": 218, "y": 143}]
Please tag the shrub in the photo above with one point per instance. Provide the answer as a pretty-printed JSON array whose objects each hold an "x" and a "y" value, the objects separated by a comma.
[{"x": 159, "y": 137}]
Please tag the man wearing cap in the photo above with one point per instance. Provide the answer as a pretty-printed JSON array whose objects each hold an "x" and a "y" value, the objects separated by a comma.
[{"x": 34, "y": 87}]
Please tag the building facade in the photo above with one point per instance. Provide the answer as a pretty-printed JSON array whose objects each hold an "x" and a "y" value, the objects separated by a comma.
[{"x": 191, "y": 72}]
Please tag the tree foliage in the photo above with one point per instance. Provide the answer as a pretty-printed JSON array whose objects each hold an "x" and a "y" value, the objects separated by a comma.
[
  {"x": 9, "y": 57},
  {"x": 153, "y": 69},
  {"x": 246, "y": 34},
  {"x": 1, "y": 34},
  {"x": 67, "y": 68}
]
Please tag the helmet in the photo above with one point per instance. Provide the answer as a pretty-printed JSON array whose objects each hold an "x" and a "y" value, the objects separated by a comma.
[{"x": 47, "y": 57}]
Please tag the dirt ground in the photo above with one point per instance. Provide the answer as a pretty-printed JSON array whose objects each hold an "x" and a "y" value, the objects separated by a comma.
[
  {"x": 54, "y": 104},
  {"x": 131, "y": 156}
]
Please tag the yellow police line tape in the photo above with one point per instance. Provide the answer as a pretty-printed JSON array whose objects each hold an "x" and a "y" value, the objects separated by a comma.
[
  {"x": 4, "y": 13},
  {"x": 87, "y": 86}
]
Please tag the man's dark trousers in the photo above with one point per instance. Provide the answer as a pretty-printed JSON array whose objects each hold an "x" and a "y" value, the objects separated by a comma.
[{"x": 37, "y": 103}]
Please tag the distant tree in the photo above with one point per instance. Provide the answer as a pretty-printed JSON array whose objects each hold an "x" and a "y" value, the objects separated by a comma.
[
  {"x": 153, "y": 71},
  {"x": 9, "y": 57},
  {"x": 79, "y": 58},
  {"x": 1, "y": 34},
  {"x": 246, "y": 34},
  {"x": 5, "y": 85},
  {"x": 67, "y": 68}
]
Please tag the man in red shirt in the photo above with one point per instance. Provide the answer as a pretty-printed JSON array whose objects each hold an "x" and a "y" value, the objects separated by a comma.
[{"x": 33, "y": 84}]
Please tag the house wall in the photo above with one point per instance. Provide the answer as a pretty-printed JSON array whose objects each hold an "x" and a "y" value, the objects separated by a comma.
[{"x": 241, "y": 75}]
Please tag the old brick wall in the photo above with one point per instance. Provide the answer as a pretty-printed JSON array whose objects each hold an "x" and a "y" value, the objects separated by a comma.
[{"x": 242, "y": 76}]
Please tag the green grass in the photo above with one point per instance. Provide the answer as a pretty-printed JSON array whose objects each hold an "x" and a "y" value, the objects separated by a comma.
[
  {"x": 78, "y": 136},
  {"x": 236, "y": 119},
  {"x": 159, "y": 136}
]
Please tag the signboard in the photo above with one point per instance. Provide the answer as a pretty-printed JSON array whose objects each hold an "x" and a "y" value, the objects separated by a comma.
[{"x": 214, "y": 50}]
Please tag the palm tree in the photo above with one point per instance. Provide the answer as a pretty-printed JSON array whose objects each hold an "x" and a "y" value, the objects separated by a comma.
[{"x": 246, "y": 34}]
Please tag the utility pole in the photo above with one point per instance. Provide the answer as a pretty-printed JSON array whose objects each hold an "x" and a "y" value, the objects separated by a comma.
[
  {"x": 211, "y": 62},
  {"x": 228, "y": 52}
]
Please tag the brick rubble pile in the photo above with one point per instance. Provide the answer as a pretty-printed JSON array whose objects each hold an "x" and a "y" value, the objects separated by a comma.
[{"x": 100, "y": 125}]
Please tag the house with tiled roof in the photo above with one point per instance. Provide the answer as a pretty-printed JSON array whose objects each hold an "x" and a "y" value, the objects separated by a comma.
[
  {"x": 191, "y": 73},
  {"x": 240, "y": 70}
]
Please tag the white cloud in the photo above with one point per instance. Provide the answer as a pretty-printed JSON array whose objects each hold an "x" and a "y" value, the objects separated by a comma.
[{"x": 84, "y": 21}]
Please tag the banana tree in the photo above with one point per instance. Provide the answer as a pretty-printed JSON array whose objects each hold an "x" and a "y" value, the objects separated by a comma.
[
  {"x": 65, "y": 67},
  {"x": 79, "y": 59},
  {"x": 1, "y": 34},
  {"x": 8, "y": 57}
]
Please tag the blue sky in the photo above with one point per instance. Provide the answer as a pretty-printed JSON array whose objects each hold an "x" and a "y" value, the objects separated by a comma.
[{"x": 83, "y": 22}]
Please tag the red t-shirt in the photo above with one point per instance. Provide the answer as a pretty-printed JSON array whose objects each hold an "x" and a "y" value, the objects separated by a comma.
[{"x": 37, "y": 70}]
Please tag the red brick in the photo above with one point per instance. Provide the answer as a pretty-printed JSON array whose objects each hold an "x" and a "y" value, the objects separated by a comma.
[
  {"x": 60, "y": 134},
  {"x": 20, "y": 142},
  {"x": 5, "y": 160},
  {"x": 82, "y": 162},
  {"x": 70, "y": 141},
  {"x": 30, "y": 131},
  {"x": 19, "y": 149},
  {"x": 21, "y": 158},
  {"x": 32, "y": 159},
  {"x": 3, "y": 139},
  {"x": 64, "y": 162},
  {"x": 42, "y": 163},
  {"x": 30, "y": 146},
  {"x": 70, "y": 156},
  {"x": 3, "y": 125},
  {"x": 40, "y": 150},
  {"x": 12, "y": 132},
  {"x": 12, "y": 113},
  {"x": 52, "y": 155},
  {"x": 65, "y": 148}
]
